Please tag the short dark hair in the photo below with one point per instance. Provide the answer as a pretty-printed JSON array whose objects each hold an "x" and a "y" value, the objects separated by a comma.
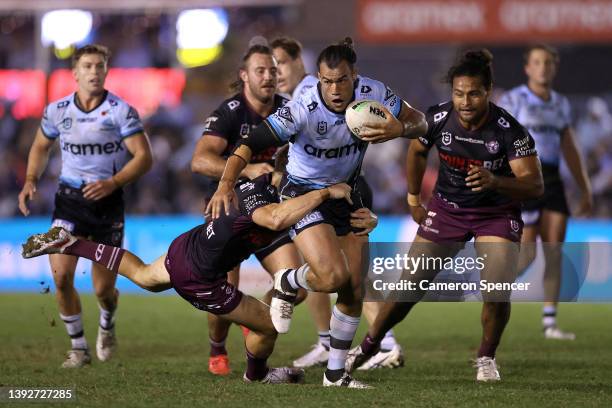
[
  {"x": 238, "y": 85},
  {"x": 473, "y": 63},
  {"x": 334, "y": 54},
  {"x": 91, "y": 49},
  {"x": 544, "y": 47},
  {"x": 291, "y": 46}
]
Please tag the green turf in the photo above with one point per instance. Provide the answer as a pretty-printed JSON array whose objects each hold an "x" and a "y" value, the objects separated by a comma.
[{"x": 162, "y": 359}]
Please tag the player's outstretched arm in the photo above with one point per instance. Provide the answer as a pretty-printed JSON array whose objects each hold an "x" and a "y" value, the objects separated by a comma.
[
  {"x": 37, "y": 162},
  {"x": 409, "y": 124},
  {"x": 277, "y": 217},
  {"x": 574, "y": 161},
  {"x": 142, "y": 159}
]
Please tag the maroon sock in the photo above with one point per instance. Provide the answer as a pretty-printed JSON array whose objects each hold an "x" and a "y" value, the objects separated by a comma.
[
  {"x": 257, "y": 368},
  {"x": 487, "y": 349},
  {"x": 217, "y": 348},
  {"x": 106, "y": 255},
  {"x": 369, "y": 345}
]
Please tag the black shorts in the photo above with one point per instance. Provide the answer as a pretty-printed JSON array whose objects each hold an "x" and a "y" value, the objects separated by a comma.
[
  {"x": 336, "y": 213},
  {"x": 282, "y": 239},
  {"x": 101, "y": 221},
  {"x": 552, "y": 200}
]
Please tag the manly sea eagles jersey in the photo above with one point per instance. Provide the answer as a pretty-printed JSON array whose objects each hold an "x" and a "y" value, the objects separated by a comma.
[
  {"x": 545, "y": 120},
  {"x": 91, "y": 142},
  {"x": 219, "y": 245},
  {"x": 234, "y": 119},
  {"x": 497, "y": 142},
  {"x": 309, "y": 81},
  {"x": 322, "y": 150}
]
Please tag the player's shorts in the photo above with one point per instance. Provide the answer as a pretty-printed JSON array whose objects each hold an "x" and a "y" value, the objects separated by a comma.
[
  {"x": 446, "y": 222},
  {"x": 282, "y": 239},
  {"x": 336, "y": 213},
  {"x": 216, "y": 295},
  {"x": 553, "y": 198},
  {"x": 101, "y": 221}
]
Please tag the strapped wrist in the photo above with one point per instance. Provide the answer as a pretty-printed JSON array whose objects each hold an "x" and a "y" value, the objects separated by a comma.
[
  {"x": 414, "y": 200},
  {"x": 31, "y": 178}
]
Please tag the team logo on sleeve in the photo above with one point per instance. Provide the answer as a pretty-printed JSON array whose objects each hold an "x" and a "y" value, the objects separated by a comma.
[
  {"x": 388, "y": 94},
  {"x": 312, "y": 106},
  {"x": 132, "y": 114},
  {"x": 503, "y": 123},
  {"x": 366, "y": 89},
  {"x": 285, "y": 113},
  {"x": 492, "y": 146},
  {"x": 322, "y": 128},
  {"x": 209, "y": 121},
  {"x": 447, "y": 138},
  {"x": 439, "y": 116},
  {"x": 233, "y": 105}
]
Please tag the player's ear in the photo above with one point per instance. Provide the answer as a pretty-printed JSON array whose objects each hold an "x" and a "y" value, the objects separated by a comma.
[{"x": 243, "y": 75}]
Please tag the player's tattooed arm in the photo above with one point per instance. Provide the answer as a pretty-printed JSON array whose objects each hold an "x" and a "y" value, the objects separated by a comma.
[
  {"x": 409, "y": 124},
  {"x": 279, "y": 216},
  {"x": 37, "y": 162},
  {"x": 142, "y": 159},
  {"x": 416, "y": 164},
  {"x": 527, "y": 183}
]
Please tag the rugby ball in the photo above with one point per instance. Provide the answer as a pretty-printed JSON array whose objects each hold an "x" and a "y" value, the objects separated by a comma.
[{"x": 362, "y": 112}]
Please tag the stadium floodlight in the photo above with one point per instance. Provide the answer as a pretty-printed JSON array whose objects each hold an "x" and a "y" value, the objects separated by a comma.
[
  {"x": 64, "y": 28},
  {"x": 200, "y": 33}
]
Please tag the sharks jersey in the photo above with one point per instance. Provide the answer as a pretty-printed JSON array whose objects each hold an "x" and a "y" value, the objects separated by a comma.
[
  {"x": 322, "y": 150},
  {"x": 91, "y": 142},
  {"x": 545, "y": 120},
  {"x": 308, "y": 82}
]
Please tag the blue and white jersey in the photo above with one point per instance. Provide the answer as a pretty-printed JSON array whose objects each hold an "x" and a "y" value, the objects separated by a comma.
[
  {"x": 308, "y": 82},
  {"x": 322, "y": 150},
  {"x": 545, "y": 120},
  {"x": 91, "y": 142}
]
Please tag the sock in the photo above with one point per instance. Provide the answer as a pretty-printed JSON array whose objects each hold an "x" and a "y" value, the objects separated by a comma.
[
  {"x": 74, "y": 327},
  {"x": 257, "y": 368},
  {"x": 388, "y": 342},
  {"x": 217, "y": 348},
  {"x": 296, "y": 278},
  {"x": 107, "y": 318},
  {"x": 105, "y": 255},
  {"x": 487, "y": 349},
  {"x": 324, "y": 338},
  {"x": 369, "y": 345},
  {"x": 342, "y": 331},
  {"x": 549, "y": 316}
]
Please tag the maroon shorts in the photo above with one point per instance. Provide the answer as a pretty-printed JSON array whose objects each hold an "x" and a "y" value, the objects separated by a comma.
[
  {"x": 214, "y": 296},
  {"x": 445, "y": 222}
]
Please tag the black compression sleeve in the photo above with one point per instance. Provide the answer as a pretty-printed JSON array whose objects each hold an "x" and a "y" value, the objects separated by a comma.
[{"x": 262, "y": 137}]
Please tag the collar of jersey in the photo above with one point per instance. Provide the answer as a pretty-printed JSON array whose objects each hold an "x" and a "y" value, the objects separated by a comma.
[{"x": 74, "y": 98}]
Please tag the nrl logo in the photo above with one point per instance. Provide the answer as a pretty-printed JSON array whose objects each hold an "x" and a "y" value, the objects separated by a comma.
[{"x": 447, "y": 138}]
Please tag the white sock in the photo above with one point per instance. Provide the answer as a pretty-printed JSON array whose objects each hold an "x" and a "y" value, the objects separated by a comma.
[
  {"x": 107, "y": 319},
  {"x": 549, "y": 316},
  {"x": 297, "y": 278},
  {"x": 388, "y": 342},
  {"x": 342, "y": 329},
  {"x": 74, "y": 327}
]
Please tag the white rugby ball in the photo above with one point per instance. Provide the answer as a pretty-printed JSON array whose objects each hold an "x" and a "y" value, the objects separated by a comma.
[{"x": 363, "y": 112}]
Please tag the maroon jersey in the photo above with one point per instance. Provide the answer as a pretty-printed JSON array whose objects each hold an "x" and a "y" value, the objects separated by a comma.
[
  {"x": 492, "y": 146},
  {"x": 234, "y": 119},
  {"x": 218, "y": 245}
]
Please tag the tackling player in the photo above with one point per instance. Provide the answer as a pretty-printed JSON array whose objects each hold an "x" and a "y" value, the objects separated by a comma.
[
  {"x": 103, "y": 148},
  {"x": 232, "y": 120},
  {"x": 197, "y": 262},
  {"x": 546, "y": 114},
  {"x": 293, "y": 80},
  {"x": 488, "y": 164},
  {"x": 322, "y": 152}
]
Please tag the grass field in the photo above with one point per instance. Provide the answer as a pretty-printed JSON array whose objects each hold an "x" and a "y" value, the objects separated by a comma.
[{"x": 162, "y": 359}]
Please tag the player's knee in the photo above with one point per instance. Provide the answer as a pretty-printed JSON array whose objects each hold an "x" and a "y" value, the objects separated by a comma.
[
  {"x": 331, "y": 276},
  {"x": 63, "y": 281}
]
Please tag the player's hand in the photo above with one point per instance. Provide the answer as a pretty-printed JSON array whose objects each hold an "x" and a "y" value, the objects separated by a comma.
[
  {"x": 391, "y": 128},
  {"x": 585, "y": 207},
  {"x": 339, "y": 191},
  {"x": 220, "y": 202},
  {"x": 418, "y": 212},
  {"x": 255, "y": 170},
  {"x": 364, "y": 218},
  {"x": 27, "y": 193},
  {"x": 480, "y": 179},
  {"x": 99, "y": 189}
]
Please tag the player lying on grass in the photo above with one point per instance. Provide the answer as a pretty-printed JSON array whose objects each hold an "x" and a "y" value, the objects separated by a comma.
[{"x": 197, "y": 262}]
